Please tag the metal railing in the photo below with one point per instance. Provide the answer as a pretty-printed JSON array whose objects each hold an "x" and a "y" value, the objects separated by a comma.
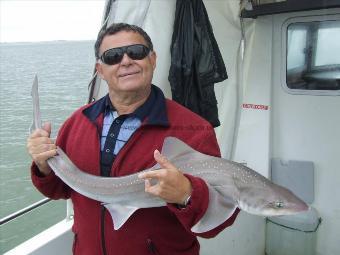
[{"x": 24, "y": 211}]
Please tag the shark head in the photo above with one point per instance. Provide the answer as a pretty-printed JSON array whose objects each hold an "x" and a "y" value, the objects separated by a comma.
[{"x": 273, "y": 200}]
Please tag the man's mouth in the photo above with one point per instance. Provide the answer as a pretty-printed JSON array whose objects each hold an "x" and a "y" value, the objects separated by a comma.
[{"x": 127, "y": 74}]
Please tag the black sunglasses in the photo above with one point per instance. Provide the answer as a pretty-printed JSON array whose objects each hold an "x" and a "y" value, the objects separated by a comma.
[{"x": 115, "y": 55}]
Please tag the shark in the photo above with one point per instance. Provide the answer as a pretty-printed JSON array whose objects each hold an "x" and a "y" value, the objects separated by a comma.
[{"x": 231, "y": 185}]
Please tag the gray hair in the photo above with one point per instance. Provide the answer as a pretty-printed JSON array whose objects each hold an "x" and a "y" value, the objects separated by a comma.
[{"x": 118, "y": 27}]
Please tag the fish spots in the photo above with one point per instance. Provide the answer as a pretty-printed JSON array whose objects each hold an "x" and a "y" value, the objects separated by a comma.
[
  {"x": 105, "y": 186},
  {"x": 249, "y": 189}
]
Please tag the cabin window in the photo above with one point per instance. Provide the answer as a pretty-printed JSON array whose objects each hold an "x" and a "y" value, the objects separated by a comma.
[
  {"x": 263, "y": 2},
  {"x": 313, "y": 56}
]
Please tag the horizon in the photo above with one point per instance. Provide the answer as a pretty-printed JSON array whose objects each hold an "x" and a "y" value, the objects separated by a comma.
[{"x": 49, "y": 41}]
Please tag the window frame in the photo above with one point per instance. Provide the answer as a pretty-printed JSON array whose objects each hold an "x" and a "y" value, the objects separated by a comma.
[{"x": 284, "y": 53}]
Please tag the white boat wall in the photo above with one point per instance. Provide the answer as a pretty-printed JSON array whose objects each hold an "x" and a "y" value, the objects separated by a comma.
[{"x": 261, "y": 117}]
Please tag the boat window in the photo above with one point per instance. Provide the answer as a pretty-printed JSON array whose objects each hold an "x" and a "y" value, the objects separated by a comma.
[
  {"x": 263, "y": 2},
  {"x": 313, "y": 56},
  {"x": 256, "y": 8}
]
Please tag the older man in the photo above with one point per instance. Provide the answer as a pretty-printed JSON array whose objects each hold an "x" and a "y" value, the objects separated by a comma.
[{"x": 121, "y": 134}]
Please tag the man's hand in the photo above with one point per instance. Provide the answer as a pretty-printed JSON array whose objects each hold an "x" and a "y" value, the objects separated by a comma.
[
  {"x": 41, "y": 147},
  {"x": 172, "y": 186}
]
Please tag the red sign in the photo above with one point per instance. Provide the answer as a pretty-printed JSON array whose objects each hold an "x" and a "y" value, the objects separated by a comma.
[{"x": 256, "y": 106}]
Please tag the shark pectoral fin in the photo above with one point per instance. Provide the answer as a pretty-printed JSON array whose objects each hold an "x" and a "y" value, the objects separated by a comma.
[
  {"x": 120, "y": 214},
  {"x": 220, "y": 208}
]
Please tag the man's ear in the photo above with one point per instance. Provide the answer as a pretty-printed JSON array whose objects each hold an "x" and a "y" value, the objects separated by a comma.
[
  {"x": 153, "y": 58},
  {"x": 99, "y": 69}
]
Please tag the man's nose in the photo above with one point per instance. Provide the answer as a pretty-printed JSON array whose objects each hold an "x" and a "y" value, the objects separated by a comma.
[{"x": 126, "y": 60}]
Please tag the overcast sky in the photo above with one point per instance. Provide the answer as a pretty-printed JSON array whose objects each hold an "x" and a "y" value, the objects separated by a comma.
[{"x": 47, "y": 20}]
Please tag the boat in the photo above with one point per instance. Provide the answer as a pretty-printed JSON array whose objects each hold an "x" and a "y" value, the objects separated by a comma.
[{"x": 278, "y": 111}]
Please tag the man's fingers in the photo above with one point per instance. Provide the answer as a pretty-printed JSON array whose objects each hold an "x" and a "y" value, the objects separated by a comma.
[
  {"x": 162, "y": 160},
  {"x": 41, "y": 148},
  {"x": 152, "y": 189},
  {"x": 147, "y": 184},
  {"x": 45, "y": 131},
  {"x": 39, "y": 144},
  {"x": 156, "y": 174},
  {"x": 172, "y": 186},
  {"x": 47, "y": 127},
  {"x": 39, "y": 133},
  {"x": 40, "y": 140},
  {"x": 42, "y": 157}
]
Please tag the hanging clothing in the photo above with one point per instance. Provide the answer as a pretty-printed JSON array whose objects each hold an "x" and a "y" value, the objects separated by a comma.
[{"x": 196, "y": 62}]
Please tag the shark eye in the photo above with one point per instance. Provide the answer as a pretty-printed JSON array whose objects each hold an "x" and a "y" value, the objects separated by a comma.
[{"x": 278, "y": 204}]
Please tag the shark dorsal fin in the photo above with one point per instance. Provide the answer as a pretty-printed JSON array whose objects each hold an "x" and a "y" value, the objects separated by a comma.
[{"x": 175, "y": 149}]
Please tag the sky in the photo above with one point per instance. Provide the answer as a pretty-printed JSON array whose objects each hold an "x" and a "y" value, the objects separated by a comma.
[{"x": 49, "y": 20}]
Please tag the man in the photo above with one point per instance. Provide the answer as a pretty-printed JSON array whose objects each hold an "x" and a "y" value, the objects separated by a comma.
[{"x": 121, "y": 134}]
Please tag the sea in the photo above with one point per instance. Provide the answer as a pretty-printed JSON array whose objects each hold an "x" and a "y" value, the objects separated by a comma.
[{"x": 64, "y": 70}]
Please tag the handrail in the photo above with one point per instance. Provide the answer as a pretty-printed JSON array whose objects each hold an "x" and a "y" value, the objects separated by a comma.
[
  {"x": 92, "y": 83},
  {"x": 24, "y": 211}
]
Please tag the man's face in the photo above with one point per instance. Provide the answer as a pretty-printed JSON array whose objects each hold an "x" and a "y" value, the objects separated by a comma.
[{"x": 129, "y": 75}]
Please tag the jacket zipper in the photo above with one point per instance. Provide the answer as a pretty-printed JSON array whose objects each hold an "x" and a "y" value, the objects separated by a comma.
[
  {"x": 103, "y": 209},
  {"x": 102, "y": 212},
  {"x": 102, "y": 216},
  {"x": 74, "y": 243},
  {"x": 151, "y": 246}
]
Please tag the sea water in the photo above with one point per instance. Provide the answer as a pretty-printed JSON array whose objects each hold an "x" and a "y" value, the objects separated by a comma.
[{"x": 64, "y": 70}]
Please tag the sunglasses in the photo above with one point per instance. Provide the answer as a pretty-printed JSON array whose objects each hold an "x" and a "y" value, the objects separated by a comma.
[{"x": 115, "y": 55}]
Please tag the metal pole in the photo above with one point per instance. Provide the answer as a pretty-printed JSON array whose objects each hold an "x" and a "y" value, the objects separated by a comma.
[{"x": 24, "y": 211}]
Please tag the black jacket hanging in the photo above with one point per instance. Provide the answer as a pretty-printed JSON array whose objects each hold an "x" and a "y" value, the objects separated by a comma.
[{"x": 196, "y": 62}]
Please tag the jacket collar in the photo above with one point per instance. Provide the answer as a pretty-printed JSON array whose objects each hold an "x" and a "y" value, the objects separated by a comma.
[{"x": 153, "y": 110}]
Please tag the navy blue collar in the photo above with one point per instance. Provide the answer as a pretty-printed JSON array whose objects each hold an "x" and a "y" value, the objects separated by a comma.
[
  {"x": 153, "y": 110},
  {"x": 141, "y": 112}
]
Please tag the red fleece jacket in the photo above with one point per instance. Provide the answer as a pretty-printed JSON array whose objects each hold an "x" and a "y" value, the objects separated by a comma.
[{"x": 163, "y": 230}]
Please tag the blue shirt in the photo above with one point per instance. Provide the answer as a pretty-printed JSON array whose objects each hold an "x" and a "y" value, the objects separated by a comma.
[
  {"x": 125, "y": 125},
  {"x": 128, "y": 127}
]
